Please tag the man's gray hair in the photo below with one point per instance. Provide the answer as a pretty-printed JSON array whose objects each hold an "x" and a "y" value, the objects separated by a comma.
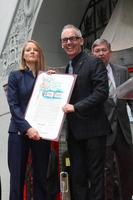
[
  {"x": 70, "y": 26},
  {"x": 100, "y": 41}
]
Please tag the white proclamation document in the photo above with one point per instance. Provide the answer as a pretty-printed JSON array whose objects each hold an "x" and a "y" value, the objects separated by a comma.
[
  {"x": 50, "y": 94},
  {"x": 125, "y": 90}
]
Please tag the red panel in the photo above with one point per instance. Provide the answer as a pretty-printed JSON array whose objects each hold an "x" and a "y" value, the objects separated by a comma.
[
  {"x": 55, "y": 146},
  {"x": 130, "y": 69}
]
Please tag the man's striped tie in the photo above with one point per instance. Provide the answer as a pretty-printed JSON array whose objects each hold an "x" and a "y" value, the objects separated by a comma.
[{"x": 112, "y": 90}]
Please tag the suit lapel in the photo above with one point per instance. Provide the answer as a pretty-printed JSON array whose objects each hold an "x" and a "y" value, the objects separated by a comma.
[
  {"x": 116, "y": 75},
  {"x": 79, "y": 63},
  {"x": 78, "y": 67}
]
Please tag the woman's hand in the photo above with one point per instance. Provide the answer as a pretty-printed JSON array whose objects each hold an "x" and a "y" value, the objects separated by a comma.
[
  {"x": 51, "y": 71},
  {"x": 33, "y": 134}
]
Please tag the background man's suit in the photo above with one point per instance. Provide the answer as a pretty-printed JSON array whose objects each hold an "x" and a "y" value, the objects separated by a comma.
[{"x": 120, "y": 140}]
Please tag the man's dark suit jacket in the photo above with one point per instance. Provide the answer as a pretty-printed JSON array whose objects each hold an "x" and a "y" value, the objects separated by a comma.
[
  {"x": 118, "y": 111},
  {"x": 88, "y": 97}
]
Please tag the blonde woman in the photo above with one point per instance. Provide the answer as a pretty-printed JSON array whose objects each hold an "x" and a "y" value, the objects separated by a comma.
[{"x": 22, "y": 136}]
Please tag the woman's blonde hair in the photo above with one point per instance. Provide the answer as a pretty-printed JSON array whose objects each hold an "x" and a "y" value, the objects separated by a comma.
[{"x": 40, "y": 65}]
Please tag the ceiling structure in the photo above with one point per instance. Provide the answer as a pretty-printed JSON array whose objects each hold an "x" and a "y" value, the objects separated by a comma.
[{"x": 119, "y": 31}]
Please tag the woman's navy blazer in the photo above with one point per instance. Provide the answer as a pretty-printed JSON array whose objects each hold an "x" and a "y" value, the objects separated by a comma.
[{"x": 20, "y": 87}]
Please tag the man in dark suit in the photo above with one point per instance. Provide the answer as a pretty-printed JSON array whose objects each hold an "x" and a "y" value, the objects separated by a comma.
[
  {"x": 119, "y": 142},
  {"x": 87, "y": 122}
]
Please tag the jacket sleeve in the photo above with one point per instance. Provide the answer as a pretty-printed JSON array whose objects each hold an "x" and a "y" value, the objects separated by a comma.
[
  {"x": 14, "y": 104},
  {"x": 99, "y": 85}
]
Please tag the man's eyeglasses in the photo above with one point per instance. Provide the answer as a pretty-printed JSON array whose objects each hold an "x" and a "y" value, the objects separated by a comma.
[{"x": 71, "y": 39}]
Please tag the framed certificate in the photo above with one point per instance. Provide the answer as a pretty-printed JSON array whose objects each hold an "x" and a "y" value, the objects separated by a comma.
[
  {"x": 125, "y": 90},
  {"x": 50, "y": 94}
]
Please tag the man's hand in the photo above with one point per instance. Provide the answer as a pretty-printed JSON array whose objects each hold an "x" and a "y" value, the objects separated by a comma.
[{"x": 68, "y": 108}]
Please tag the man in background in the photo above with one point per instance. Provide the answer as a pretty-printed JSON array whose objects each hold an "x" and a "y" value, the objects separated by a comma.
[{"x": 119, "y": 142}]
